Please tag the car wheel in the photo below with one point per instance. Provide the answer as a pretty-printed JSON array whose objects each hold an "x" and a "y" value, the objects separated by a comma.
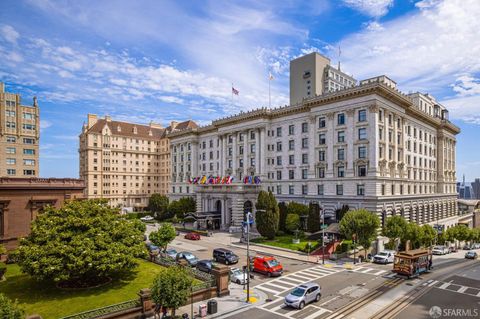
[
  {"x": 317, "y": 298},
  {"x": 238, "y": 282},
  {"x": 301, "y": 305},
  {"x": 226, "y": 262},
  {"x": 269, "y": 274}
]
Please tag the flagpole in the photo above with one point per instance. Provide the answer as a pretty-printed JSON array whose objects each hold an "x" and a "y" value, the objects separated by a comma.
[{"x": 269, "y": 96}]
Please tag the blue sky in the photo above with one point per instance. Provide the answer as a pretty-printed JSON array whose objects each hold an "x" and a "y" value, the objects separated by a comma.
[{"x": 175, "y": 60}]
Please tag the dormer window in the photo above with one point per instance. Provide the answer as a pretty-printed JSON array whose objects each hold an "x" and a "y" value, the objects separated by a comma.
[
  {"x": 135, "y": 130},
  {"x": 150, "y": 133},
  {"x": 119, "y": 129}
]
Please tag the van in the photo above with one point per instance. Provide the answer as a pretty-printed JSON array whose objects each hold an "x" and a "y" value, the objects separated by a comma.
[
  {"x": 267, "y": 265},
  {"x": 224, "y": 256}
]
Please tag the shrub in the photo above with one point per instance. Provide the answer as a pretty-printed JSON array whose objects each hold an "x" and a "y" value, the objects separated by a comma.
[{"x": 10, "y": 309}]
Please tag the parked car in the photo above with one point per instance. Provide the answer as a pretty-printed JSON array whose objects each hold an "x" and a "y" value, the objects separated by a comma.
[
  {"x": 440, "y": 250},
  {"x": 471, "y": 255},
  {"x": 238, "y": 276},
  {"x": 204, "y": 265},
  {"x": 303, "y": 295},
  {"x": 466, "y": 247},
  {"x": 171, "y": 253},
  {"x": 192, "y": 236},
  {"x": 190, "y": 258},
  {"x": 384, "y": 257},
  {"x": 224, "y": 256},
  {"x": 452, "y": 249},
  {"x": 476, "y": 246},
  {"x": 147, "y": 218},
  {"x": 267, "y": 265},
  {"x": 152, "y": 248}
]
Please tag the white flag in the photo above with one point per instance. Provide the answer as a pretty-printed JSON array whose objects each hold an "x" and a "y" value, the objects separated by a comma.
[{"x": 270, "y": 76}]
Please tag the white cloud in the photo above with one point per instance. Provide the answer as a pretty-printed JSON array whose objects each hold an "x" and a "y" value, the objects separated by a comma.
[
  {"x": 373, "y": 26},
  {"x": 9, "y": 34},
  {"x": 372, "y": 8},
  {"x": 466, "y": 108},
  {"x": 467, "y": 85},
  {"x": 44, "y": 124}
]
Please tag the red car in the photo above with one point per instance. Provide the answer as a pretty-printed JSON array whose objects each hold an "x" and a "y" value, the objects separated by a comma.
[{"x": 192, "y": 236}]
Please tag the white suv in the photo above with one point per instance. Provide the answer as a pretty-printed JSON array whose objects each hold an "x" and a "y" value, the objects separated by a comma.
[{"x": 384, "y": 257}]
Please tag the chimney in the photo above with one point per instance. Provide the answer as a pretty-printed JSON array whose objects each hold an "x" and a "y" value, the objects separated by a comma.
[
  {"x": 173, "y": 124},
  {"x": 2, "y": 87},
  {"x": 92, "y": 119},
  {"x": 35, "y": 103},
  {"x": 108, "y": 118}
]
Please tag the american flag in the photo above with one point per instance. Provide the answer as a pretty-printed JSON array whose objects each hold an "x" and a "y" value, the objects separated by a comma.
[{"x": 234, "y": 91}]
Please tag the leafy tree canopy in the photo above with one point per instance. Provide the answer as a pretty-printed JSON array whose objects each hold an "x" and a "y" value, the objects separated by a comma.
[
  {"x": 10, "y": 309},
  {"x": 395, "y": 228},
  {"x": 181, "y": 207},
  {"x": 163, "y": 236},
  {"x": 297, "y": 208},
  {"x": 313, "y": 217},
  {"x": 171, "y": 287},
  {"x": 363, "y": 224},
  {"x": 158, "y": 203},
  {"x": 81, "y": 242},
  {"x": 292, "y": 222},
  {"x": 267, "y": 215},
  {"x": 282, "y": 208}
]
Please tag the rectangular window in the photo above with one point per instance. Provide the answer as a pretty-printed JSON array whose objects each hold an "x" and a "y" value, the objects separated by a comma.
[
  {"x": 362, "y": 152},
  {"x": 279, "y": 146},
  {"x": 279, "y": 175},
  {"x": 291, "y": 174},
  {"x": 252, "y": 148},
  {"x": 321, "y": 139},
  {"x": 362, "y": 115},
  {"x": 11, "y": 161},
  {"x": 341, "y": 119},
  {"x": 341, "y": 136},
  {"x": 28, "y": 172},
  {"x": 321, "y": 172},
  {"x": 304, "y": 189},
  {"x": 291, "y": 189},
  {"x": 291, "y": 145},
  {"x": 252, "y": 162},
  {"x": 291, "y": 159},
  {"x": 279, "y": 160},
  {"x": 341, "y": 154},
  {"x": 321, "y": 156},
  {"x": 362, "y": 133},
  {"x": 305, "y": 142},
  {"x": 304, "y": 173},
  {"x": 230, "y": 151},
  {"x": 279, "y": 131},
  {"x": 291, "y": 129},
  {"x": 11, "y": 171},
  {"x": 27, "y": 116},
  {"x": 240, "y": 150},
  {"x": 279, "y": 189},
  {"x": 320, "y": 189},
  {"x": 361, "y": 190},
  {"x": 11, "y": 124},
  {"x": 10, "y": 150},
  {"x": 28, "y": 127},
  {"x": 321, "y": 122},
  {"x": 304, "y": 127},
  {"x": 11, "y": 139},
  {"x": 341, "y": 171},
  {"x": 229, "y": 163},
  {"x": 383, "y": 189},
  {"x": 252, "y": 135},
  {"x": 240, "y": 163},
  {"x": 362, "y": 170},
  {"x": 339, "y": 189},
  {"x": 305, "y": 158},
  {"x": 29, "y": 162}
]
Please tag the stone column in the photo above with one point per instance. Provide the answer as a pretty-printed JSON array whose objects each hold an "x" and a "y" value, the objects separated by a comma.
[
  {"x": 330, "y": 141},
  {"x": 246, "y": 164},
  {"x": 262, "y": 149},
  {"x": 351, "y": 136},
  {"x": 146, "y": 302},
  {"x": 220, "y": 158},
  {"x": 257, "y": 152},
  {"x": 311, "y": 147},
  {"x": 194, "y": 160},
  {"x": 224, "y": 154},
  {"x": 373, "y": 146},
  {"x": 234, "y": 154},
  {"x": 221, "y": 274}
]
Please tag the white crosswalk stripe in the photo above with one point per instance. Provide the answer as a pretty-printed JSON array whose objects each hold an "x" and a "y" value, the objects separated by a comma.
[
  {"x": 369, "y": 271},
  {"x": 465, "y": 290},
  {"x": 288, "y": 281},
  {"x": 280, "y": 308}
]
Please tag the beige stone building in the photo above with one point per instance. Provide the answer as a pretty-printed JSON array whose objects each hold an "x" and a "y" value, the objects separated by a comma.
[
  {"x": 19, "y": 136},
  {"x": 125, "y": 162}
]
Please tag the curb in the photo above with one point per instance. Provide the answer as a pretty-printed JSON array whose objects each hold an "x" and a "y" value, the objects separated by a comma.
[{"x": 280, "y": 255}]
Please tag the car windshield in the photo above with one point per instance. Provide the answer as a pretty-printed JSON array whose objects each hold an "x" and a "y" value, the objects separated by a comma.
[
  {"x": 189, "y": 256},
  {"x": 237, "y": 272},
  {"x": 273, "y": 263},
  {"x": 298, "y": 292},
  {"x": 171, "y": 251},
  {"x": 383, "y": 253}
]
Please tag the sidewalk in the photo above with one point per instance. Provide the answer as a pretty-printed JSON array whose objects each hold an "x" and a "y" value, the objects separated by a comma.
[{"x": 227, "y": 305}]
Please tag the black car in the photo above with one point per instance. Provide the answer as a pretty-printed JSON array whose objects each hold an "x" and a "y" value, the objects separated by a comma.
[
  {"x": 225, "y": 256},
  {"x": 204, "y": 265}
]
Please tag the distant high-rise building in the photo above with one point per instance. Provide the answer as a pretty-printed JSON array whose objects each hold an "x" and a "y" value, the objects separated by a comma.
[
  {"x": 476, "y": 189},
  {"x": 125, "y": 162},
  {"x": 312, "y": 75},
  {"x": 19, "y": 136}
]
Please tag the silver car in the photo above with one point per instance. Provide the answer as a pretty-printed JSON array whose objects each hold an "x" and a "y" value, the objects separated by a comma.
[
  {"x": 303, "y": 295},
  {"x": 238, "y": 276}
]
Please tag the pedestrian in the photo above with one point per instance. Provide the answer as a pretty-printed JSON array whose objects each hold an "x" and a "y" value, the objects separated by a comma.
[
  {"x": 164, "y": 312},
  {"x": 157, "y": 310}
]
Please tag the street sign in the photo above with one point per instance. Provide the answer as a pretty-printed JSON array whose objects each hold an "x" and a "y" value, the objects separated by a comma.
[{"x": 324, "y": 227}]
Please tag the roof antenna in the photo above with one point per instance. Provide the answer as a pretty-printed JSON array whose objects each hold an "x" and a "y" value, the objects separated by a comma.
[{"x": 339, "y": 54}]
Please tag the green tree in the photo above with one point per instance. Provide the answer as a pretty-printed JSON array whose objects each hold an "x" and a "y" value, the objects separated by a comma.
[
  {"x": 267, "y": 215},
  {"x": 158, "y": 204},
  {"x": 395, "y": 227},
  {"x": 171, "y": 287},
  {"x": 163, "y": 236},
  {"x": 10, "y": 309},
  {"x": 81, "y": 243},
  {"x": 282, "y": 208},
  {"x": 363, "y": 224},
  {"x": 339, "y": 213},
  {"x": 413, "y": 234},
  {"x": 181, "y": 207},
  {"x": 313, "y": 222},
  {"x": 429, "y": 234},
  {"x": 297, "y": 208},
  {"x": 292, "y": 223}
]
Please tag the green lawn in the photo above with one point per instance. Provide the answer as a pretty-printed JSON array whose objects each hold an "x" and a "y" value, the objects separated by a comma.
[
  {"x": 51, "y": 302},
  {"x": 285, "y": 242}
]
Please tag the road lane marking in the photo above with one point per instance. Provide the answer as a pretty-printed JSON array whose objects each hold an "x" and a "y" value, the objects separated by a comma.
[
  {"x": 462, "y": 289},
  {"x": 379, "y": 272},
  {"x": 445, "y": 285},
  {"x": 299, "y": 276},
  {"x": 266, "y": 289},
  {"x": 432, "y": 283},
  {"x": 317, "y": 313}
]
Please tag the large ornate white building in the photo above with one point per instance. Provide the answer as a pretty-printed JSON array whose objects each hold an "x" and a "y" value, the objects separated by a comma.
[{"x": 367, "y": 145}]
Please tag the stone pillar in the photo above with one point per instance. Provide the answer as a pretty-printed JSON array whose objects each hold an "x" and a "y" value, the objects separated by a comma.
[
  {"x": 330, "y": 141},
  {"x": 373, "y": 146},
  {"x": 246, "y": 164},
  {"x": 224, "y": 158},
  {"x": 146, "y": 302},
  {"x": 263, "y": 150},
  {"x": 234, "y": 153},
  {"x": 194, "y": 160},
  {"x": 220, "y": 272},
  {"x": 351, "y": 136},
  {"x": 257, "y": 152},
  {"x": 220, "y": 159}
]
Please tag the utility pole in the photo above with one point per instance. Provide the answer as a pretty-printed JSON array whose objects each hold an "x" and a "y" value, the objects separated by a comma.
[
  {"x": 323, "y": 236},
  {"x": 354, "y": 236},
  {"x": 248, "y": 216}
]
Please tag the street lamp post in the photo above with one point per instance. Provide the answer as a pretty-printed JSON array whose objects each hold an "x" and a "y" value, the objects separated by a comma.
[
  {"x": 323, "y": 236},
  {"x": 354, "y": 236},
  {"x": 248, "y": 222}
]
